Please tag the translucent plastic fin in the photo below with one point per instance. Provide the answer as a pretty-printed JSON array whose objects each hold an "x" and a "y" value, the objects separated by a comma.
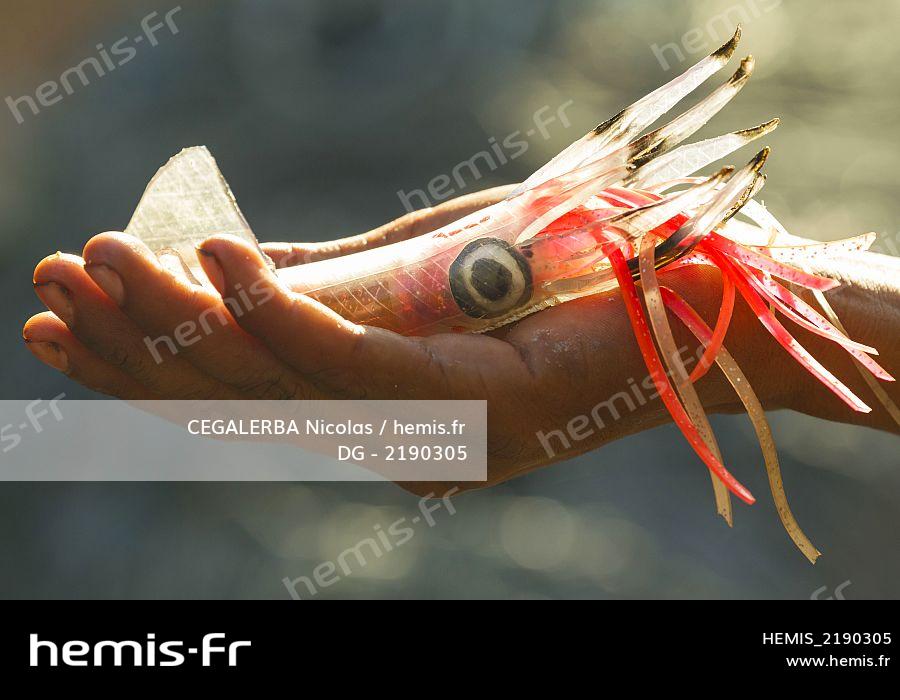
[
  {"x": 638, "y": 222},
  {"x": 642, "y": 151},
  {"x": 782, "y": 246},
  {"x": 630, "y": 122},
  {"x": 187, "y": 201},
  {"x": 728, "y": 202},
  {"x": 550, "y": 207},
  {"x": 804, "y": 253},
  {"x": 687, "y": 160},
  {"x": 691, "y": 121},
  {"x": 638, "y": 153}
]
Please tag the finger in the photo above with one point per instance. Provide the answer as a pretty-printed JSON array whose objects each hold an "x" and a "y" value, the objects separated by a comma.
[
  {"x": 93, "y": 317},
  {"x": 409, "y": 226},
  {"x": 331, "y": 352},
  {"x": 50, "y": 341},
  {"x": 190, "y": 321}
]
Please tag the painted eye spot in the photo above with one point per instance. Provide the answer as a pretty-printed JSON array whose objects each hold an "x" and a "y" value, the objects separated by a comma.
[{"x": 490, "y": 278}]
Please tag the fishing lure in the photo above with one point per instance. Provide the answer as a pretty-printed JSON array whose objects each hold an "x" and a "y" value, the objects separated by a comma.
[{"x": 608, "y": 212}]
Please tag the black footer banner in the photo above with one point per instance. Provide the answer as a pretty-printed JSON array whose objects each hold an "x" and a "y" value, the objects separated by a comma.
[{"x": 216, "y": 641}]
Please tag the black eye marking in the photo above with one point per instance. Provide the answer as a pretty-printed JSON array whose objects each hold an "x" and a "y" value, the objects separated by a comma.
[{"x": 490, "y": 278}]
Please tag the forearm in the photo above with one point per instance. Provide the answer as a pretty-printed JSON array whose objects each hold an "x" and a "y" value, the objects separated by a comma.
[
  {"x": 868, "y": 305},
  {"x": 408, "y": 226}
]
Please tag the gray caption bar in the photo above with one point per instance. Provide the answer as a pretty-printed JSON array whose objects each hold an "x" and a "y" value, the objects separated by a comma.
[{"x": 60, "y": 440}]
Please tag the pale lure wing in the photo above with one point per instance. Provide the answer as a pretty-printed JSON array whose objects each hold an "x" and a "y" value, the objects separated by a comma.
[{"x": 187, "y": 201}]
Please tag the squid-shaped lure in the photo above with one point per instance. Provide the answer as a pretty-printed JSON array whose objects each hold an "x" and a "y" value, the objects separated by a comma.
[{"x": 606, "y": 213}]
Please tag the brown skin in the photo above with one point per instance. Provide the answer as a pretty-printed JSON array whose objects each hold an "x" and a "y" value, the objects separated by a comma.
[{"x": 537, "y": 375}]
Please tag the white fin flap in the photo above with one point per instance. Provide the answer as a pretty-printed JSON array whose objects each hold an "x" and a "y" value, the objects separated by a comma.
[
  {"x": 187, "y": 201},
  {"x": 687, "y": 160},
  {"x": 637, "y": 222}
]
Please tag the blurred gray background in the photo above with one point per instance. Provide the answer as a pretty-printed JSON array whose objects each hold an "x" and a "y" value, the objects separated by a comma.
[{"x": 319, "y": 112}]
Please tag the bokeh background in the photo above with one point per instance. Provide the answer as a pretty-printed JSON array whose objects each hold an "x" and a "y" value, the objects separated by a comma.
[{"x": 319, "y": 112}]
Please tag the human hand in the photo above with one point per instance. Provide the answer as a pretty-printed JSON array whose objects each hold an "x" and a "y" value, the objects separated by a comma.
[{"x": 111, "y": 308}]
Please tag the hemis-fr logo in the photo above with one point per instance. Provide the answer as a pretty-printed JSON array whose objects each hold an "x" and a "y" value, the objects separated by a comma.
[{"x": 213, "y": 650}]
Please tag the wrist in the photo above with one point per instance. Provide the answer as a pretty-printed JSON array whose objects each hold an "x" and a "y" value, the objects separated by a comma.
[{"x": 868, "y": 306}]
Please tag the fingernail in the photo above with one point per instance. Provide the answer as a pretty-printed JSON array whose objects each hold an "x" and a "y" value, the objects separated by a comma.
[
  {"x": 58, "y": 299},
  {"x": 50, "y": 354},
  {"x": 108, "y": 280},
  {"x": 213, "y": 269}
]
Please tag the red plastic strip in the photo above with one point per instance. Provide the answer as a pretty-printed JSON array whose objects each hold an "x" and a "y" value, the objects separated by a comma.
[
  {"x": 718, "y": 337},
  {"x": 755, "y": 412},
  {"x": 661, "y": 381},
  {"x": 804, "y": 315},
  {"x": 784, "y": 338},
  {"x": 763, "y": 262}
]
